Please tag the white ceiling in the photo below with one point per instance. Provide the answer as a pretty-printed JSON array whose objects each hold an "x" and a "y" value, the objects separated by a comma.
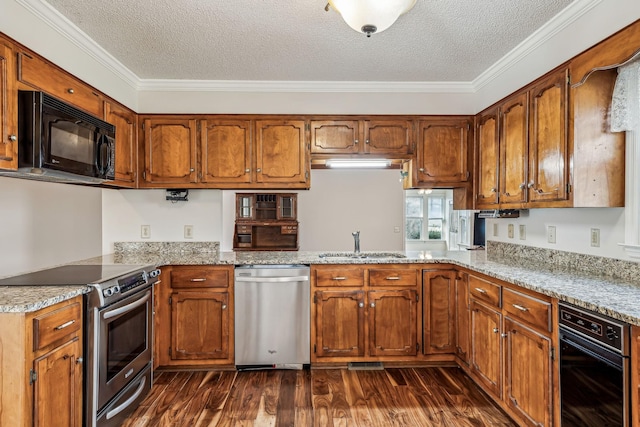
[{"x": 270, "y": 40}]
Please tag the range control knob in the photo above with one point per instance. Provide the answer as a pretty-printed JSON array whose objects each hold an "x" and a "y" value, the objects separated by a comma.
[
  {"x": 595, "y": 327},
  {"x": 107, "y": 292},
  {"x": 611, "y": 333},
  {"x": 154, "y": 273}
]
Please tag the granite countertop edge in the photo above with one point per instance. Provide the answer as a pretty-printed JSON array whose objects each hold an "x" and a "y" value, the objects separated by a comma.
[{"x": 616, "y": 298}]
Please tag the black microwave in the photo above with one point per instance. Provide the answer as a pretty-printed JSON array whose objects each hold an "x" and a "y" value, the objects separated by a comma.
[{"x": 59, "y": 142}]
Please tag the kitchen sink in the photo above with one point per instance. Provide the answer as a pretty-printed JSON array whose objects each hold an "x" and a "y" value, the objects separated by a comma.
[{"x": 363, "y": 255}]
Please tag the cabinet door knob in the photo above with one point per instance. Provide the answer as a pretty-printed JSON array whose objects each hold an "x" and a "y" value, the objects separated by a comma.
[
  {"x": 13, "y": 138},
  {"x": 356, "y": 142},
  {"x": 421, "y": 169},
  {"x": 224, "y": 306},
  {"x": 523, "y": 186},
  {"x": 70, "y": 90},
  {"x": 361, "y": 304},
  {"x": 530, "y": 185},
  {"x": 258, "y": 170},
  {"x": 372, "y": 305},
  {"x": 79, "y": 360},
  {"x": 247, "y": 170},
  {"x": 496, "y": 330},
  {"x": 494, "y": 189},
  {"x": 504, "y": 335},
  {"x": 192, "y": 170},
  {"x": 366, "y": 142}
]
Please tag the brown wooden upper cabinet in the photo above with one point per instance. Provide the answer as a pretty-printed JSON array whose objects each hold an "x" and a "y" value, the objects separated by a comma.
[
  {"x": 233, "y": 152},
  {"x": 126, "y": 123},
  {"x": 443, "y": 151},
  {"x": 522, "y": 147},
  {"x": 8, "y": 108},
  {"x": 36, "y": 73},
  {"x": 391, "y": 138},
  {"x": 169, "y": 151},
  {"x": 281, "y": 154}
]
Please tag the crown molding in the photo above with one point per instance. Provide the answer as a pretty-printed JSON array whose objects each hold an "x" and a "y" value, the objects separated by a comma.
[
  {"x": 59, "y": 23},
  {"x": 54, "y": 19},
  {"x": 302, "y": 86},
  {"x": 556, "y": 24}
]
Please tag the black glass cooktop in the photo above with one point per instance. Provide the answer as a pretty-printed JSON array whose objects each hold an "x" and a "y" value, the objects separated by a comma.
[{"x": 70, "y": 275}]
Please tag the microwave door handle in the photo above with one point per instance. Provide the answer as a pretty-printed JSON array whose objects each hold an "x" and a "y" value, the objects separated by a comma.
[
  {"x": 110, "y": 147},
  {"x": 98, "y": 156}
]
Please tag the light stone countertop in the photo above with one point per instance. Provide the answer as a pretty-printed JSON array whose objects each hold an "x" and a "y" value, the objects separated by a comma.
[{"x": 618, "y": 298}]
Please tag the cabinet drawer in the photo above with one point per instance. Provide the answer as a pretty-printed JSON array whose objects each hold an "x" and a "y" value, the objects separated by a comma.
[
  {"x": 199, "y": 277},
  {"x": 484, "y": 290},
  {"x": 529, "y": 309},
  {"x": 393, "y": 277},
  {"x": 244, "y": 229},
  {"x": 54, "y": 325},
  {"x": 40, "y": 74},
  {"x": 339, "y": 276}
]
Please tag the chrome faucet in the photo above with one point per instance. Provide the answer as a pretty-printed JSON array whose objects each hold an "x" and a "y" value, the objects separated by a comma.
[{"x": 356, "y": 241}]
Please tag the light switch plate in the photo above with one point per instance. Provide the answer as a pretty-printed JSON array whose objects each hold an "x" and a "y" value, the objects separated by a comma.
[
  {"x": 551, "y": 234},
  {"x": 595, "y": 237},
  {"x": 523, "y": 232},
  {"x": 495, "y": 230},
  {"x": 510, "y": 231}
]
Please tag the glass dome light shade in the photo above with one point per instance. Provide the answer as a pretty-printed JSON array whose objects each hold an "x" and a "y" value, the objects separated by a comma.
[{"x": 379, "y": 13}]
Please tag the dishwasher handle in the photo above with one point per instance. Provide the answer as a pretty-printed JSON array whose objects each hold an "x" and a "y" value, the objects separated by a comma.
[{"x": 279, "y": 279}]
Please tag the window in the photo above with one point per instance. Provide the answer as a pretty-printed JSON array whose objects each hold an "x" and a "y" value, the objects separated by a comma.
[{"x": 425, "y": 216}]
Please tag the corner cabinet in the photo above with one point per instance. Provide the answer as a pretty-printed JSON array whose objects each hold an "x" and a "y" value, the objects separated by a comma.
[
  {"x": 126, "y": 123},
  {"x": 41, "y": 366},
  {"x": 356, "y": 319},
  {"x": 8, "y": 108},
  {"x": 194, "y": 317}
]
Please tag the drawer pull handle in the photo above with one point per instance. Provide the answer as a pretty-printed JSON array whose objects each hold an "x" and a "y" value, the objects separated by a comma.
[
  {"x": 70, "y": 90},
  {"x": 392, "y": 278},
  {"x": 482, "y": 291},
  {"x": 64, "y": 325},
  {"x": 519, "y": 307},
  {"x": 198, "y": 280},
  {"x": 339, "y": 278}
]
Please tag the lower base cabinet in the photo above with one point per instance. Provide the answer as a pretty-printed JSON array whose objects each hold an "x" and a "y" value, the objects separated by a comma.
[
  {"x": 194, "y": 317},
  {"x": 486, "y": 347},
  {"x": 41, "y": 366}
]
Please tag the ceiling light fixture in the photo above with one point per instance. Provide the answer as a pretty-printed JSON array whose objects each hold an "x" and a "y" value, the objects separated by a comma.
[
  {"x": 370, "y": 16},
  {"x": 358, "y": 164}
]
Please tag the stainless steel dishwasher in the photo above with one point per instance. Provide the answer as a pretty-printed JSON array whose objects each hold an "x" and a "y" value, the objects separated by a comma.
[{"x": 272, "y": 316}]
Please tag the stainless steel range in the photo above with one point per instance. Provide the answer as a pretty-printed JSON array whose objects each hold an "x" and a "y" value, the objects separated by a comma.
[{"x": 118, "y": 334}]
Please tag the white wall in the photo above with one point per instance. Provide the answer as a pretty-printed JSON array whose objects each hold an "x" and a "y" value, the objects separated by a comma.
[
  {"x": 573, "y": 230},
  {"x": 124, "y": 211},
  {"x": 46, "y": 224}
]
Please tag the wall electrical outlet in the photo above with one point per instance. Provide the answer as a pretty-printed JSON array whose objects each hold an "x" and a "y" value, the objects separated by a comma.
[
  {"x": 510, "y": 231},
  {"x": 495, "y": 230},
  {"x": 188, "y": 231},
  {"x": 551, "y": 234},
  {"x": 145, "y": 231},
  {"x": 595, "y": 237},
  {"x": 396, "y": 229},
  {"x": 522, "y": 231}
]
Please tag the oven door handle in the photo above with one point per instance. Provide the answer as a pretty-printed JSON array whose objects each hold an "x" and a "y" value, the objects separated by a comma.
[
  {"x": 115, "y": 411},
  {"x": 128, "y": 307}
]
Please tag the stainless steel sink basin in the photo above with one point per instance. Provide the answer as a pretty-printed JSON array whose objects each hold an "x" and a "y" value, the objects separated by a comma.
[{"x": 363, "y": 255}]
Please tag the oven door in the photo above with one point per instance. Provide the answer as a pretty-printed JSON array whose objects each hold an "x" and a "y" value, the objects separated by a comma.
[
  {"x": 594, "y": 388},
  {"x": 124, "y": 343}
]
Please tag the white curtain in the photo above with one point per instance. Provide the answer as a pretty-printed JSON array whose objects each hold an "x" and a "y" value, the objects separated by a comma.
[{"x": 625, "y": 105}]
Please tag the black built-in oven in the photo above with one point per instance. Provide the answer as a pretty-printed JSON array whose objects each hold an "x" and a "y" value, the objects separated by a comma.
[{"x": 594, "y": 369}]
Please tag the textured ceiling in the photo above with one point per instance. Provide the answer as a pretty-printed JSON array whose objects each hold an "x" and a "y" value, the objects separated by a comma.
[{"x": 296, "y": 40}]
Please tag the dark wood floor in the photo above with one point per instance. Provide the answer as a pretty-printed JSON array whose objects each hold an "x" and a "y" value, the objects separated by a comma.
[{"x": 320, "y": 397}]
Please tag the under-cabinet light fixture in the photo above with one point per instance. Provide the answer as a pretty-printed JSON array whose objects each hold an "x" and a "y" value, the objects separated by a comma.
[{"x": 358, "y": 164}]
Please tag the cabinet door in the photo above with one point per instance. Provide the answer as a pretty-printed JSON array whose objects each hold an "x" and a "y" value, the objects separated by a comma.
[
  {"x": 57, "y": 391},
  {"x": 339, "y": 323},
  {"x": 528, "y": 379},
  {"x": 170, "y": 151},
  {"x": 125, "y": 122},
  {"x": 200, "y": 325},
  {"x": 488, "y": 156},
  {"x": 225, "y": 147},
  {"x": 486, "y": 347},
  {"x": 8, "y": 112},
  {"x": 389, "y": 137},
  {"x": 281, "y": 152},
  {"x": 548, "y": 144},
  {"x": 438, "y": 302},
  {"x": 462, "y": 317},
  {"x": 514, "y": 140},
  {"x": 287, "y": 207},
  {"x": 392, "y": 321},
  {"x": 335, "y": 137},
  {"x": 443, "y": 151}
]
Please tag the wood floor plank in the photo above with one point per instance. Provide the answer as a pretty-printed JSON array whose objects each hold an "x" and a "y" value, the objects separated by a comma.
[{"x": 433, "y": 397}]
